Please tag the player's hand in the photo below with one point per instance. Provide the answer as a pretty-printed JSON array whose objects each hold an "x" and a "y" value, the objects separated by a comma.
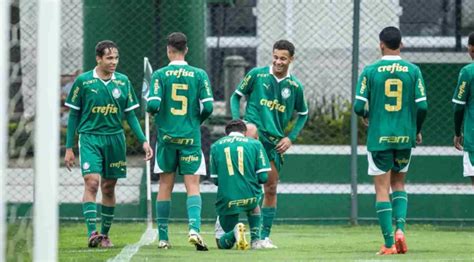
[
  {"x": 283, "y": 145},
  {"x": 69, "y": 159},
  {"x": 365, "y": 121},
  {"x": 458, "y": 141},
  {"x": 148, "y": 151},
  {"x": 419, "y": 138}
]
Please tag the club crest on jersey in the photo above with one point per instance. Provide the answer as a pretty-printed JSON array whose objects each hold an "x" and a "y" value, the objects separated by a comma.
[
  {"x": 285, "y": 93},
  {"x": 86, "y": 165},
  {"x": 116, "y": 93}
]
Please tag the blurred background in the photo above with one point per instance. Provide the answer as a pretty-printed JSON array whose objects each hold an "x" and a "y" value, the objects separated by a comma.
[{"x": 229, "y": 37}]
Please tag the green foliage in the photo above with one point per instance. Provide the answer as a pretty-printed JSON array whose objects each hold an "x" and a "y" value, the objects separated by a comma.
[{"x": 329, "y": 123}]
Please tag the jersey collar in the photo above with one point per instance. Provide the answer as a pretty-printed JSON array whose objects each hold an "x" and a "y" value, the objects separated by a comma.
[
  {"x": 391, "y": 57},
  {"x": 235, "y": 134},
  {"x": 178, "y": 62},
  {"x": 279, "y": 79},
  {"x": 95, "y": 75}
]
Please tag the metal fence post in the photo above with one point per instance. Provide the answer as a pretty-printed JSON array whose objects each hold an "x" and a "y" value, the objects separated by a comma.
[
  {"x": 234, "y": 72},
  {"x": 355, "y": 73}
]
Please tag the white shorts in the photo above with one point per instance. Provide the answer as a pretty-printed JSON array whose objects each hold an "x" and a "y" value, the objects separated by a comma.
[{"x": 468, "y": 167}]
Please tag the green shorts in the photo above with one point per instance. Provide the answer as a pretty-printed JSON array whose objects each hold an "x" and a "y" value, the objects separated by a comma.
[
  {"x": 189, "y": 159},
  {"x": 269, "y": 143},
  {"x": 380, "y": 162},
  {"x": 103, "y": 154}
]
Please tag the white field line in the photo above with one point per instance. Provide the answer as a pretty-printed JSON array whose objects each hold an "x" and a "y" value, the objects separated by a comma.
[{"x": 129, "y": 251}]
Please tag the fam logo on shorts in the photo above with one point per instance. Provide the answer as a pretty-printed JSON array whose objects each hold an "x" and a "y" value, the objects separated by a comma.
[
  {"x": 116, "y": 93},
  {"x": 86, "y": 165},
  {"x": 285, "y": 93}
]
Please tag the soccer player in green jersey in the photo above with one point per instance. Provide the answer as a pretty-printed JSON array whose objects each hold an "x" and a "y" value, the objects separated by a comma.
[
  {"x": 463, "y": 112},
  {"x": 395, "y": 93},
  {"x": 273, "y": 96},
  {"x": 181, "y": 99},
  {"x": 239, "y": 165},
  {"x": 99, "y": 100}
]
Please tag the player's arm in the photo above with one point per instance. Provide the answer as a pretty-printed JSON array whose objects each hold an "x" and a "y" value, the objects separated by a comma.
[
  {"x": 155, "y": 95},
  {"x": 262, "y": 164},
  {"x": 420, "y": 101},
  {"x": 302, "y": 110},
  {"x": 206, "y": 98},
  {"x": 74, "y": 102},
  {"x": 362, "y": 94},
  {"x": 213, "y": 166},
  {"x": 459, "y": 100},
  {"x": 132, "y": 120},
  {"x": 245, "y": 87}
]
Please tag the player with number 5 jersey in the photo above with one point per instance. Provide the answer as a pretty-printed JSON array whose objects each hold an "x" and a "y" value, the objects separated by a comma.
[{"x": 181, "y": 99}]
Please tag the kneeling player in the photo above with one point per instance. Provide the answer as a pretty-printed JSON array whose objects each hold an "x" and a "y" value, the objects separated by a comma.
[{"x": 239, "y": 166}]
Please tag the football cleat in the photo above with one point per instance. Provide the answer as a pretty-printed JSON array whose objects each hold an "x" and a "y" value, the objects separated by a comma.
[
  {"x": 95, "y": 239},
  {"x": 164, "y": 244},
  {"x": 257, "y": 244},
  {"x": 400, "y": 242},
  {"x": 387, "y": 250},
  {"x": 195, "y": 239},
  {"x": 239, "y": 234},
  {"x": 105, "y": 242},
  {"x": 267, "y": 243}
]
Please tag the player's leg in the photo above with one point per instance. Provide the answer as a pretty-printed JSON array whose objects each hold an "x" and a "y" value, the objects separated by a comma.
[
  {"x": 254, "y": 219},
  {"x": 269, "y": 205},
  {"x": 166, "y": 161},
  {"x": 107, "y": 187},
  {"x": 225, "y": 236},
  {"x": 380, "y": 164},
  {"x": 115, "y": 164},
  {"x": 252, "y": 130},
  {"x": 91, "y": 167},
  {"x": 399, "y": 196},
  {"x": 192, "y": 166}
]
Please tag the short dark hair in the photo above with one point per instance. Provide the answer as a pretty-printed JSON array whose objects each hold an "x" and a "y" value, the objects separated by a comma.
[
  {"x": 470, "y": 40},
  {"x": 235, "y": 126},
  {"x": 391, "y": 37},
  {"x": 284, "y": 45},
  {"x": 103, "y": 45},
  {"x": 178, "y": 41}
]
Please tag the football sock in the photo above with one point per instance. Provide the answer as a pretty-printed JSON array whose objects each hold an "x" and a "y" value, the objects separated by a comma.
[
  {"x": 384, "y": 213},
  {"x": 107, "y": 218},
  {"x": 268, "y": 214},
  {"x": 162, "y": 216},
  {"x": 227, "y": 240},
  {"x": 194, "y": 203},
  {"x": 400, "y": 205},
  {"x": 254, "y": 223},
  {"x": 89, "y": 209}
]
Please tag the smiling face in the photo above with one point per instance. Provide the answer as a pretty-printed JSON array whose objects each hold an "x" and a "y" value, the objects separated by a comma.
[
  {"x": 109, "y": 61},
  {"x": 281, "y": 62}
]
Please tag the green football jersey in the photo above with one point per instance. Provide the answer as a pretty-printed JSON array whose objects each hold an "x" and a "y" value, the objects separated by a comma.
[
  {"x": 101, "y": 104},
  {"x": 391, "y": 87},
  {"x": 463, "y": 96},
  {"x": 271, "y": 102},
  {"x": 236, "y": 162},
  {"x": 181, "y": 88}
]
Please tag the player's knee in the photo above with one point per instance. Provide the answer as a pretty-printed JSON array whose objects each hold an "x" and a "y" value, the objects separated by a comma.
[
  {"x": 92, "y": 186},
  {"x": 252, "y": 131},
  {"x": 271, "y": 189}
]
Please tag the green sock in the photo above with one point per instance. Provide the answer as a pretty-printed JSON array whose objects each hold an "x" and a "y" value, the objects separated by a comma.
[
  {"x": 227, "y": 240},
  {"x": 194, "y": 203},
  {"x": 268, "y": 214},
  {"x": 400, "y": 205},
  {"x": 254, "y": 223},
  {"x": 107, "y": 218},
  {"x": 384, "y": 213},
  {"x": 89, "y": 209},
  {"x": 163, "y": 208}
]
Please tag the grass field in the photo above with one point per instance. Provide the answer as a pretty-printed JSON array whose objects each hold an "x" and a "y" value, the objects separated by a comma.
[{"x": 295, "y": 242}]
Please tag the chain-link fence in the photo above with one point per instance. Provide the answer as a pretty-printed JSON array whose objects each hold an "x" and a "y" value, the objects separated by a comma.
[{"x": 235, "y": 36}]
